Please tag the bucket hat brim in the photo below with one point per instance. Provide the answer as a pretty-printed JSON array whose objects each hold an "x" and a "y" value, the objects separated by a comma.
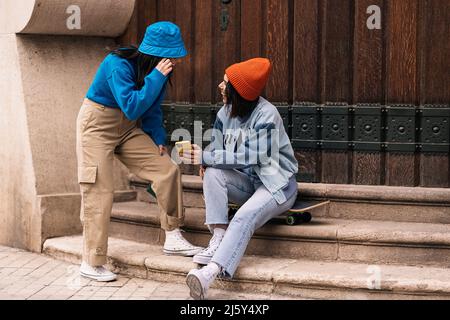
[{"x": 174, "y": 53}]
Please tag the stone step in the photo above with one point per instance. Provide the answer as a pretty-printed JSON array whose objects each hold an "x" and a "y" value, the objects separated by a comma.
[
  {"x": 327, "y": 239},
  {"x": 293, "y": 277},
  {"x": 125, "y": 195},
  {"x": 378, "y": 203}
]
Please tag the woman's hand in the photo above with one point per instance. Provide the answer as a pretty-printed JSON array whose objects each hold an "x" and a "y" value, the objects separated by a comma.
[
  {"x": 163, "y": 150},
  {"x": 202, "y": 172},
  {"x": 165, "y": 66},
  {"x": 193, "y": 156}
]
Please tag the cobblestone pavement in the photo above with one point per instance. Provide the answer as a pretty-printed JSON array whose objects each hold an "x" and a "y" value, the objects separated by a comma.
[{"x": 30, "y": 276}]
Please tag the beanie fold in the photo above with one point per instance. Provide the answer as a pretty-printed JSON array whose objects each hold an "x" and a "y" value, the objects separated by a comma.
[{"x": 250, "y": 77}]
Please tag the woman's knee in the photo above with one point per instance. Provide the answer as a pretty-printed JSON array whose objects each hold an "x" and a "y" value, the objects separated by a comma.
[
  {"x": 172, "y": 169},
  {"x": 213, "y": 174},
  {"x": 245, "y": 217},
  {"x": 168, "y": 174}
]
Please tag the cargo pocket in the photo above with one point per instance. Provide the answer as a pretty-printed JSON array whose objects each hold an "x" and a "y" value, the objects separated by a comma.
[
  {"x": 87, "y": 174},
  {"x": 84, "y": 117}
]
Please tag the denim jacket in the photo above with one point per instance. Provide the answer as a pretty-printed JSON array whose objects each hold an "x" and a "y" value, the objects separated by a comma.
[{"x": 259, "y": 143}]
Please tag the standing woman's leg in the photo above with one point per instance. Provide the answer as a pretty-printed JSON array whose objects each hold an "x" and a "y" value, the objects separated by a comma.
[
  {"x": 95, "y": 154},
  {"x": 142, "y": 157}
]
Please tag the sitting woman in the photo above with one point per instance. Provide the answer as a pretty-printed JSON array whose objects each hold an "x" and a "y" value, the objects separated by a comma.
[{"x": 251, "y": 163}]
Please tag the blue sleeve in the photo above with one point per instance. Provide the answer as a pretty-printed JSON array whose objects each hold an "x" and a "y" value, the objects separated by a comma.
[
  {"x": 152, "y": 122},
  {"x": 134, "y": 103}
]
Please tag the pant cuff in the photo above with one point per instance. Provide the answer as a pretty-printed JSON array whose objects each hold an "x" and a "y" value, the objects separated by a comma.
[
  {"x": 172, "y": 223},
  {"x": 95, "y": 260},
  {"x": 225, "y": 272},
  {"x": 208, "y": 223}
]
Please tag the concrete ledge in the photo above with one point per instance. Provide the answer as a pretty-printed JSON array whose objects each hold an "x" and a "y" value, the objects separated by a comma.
[
  {"x": 59, "y": 215},
  {"x": 299, "y": 278},
  {"x": 400, "y": 204},
  {"x": 383, "y": 232},
  {"x": 377, "y": 193},
  {"x": 323, "y": 238},
  {"x": 357, "y": 192},
  {"x": 98, "y": 18},
  {"x": 344, "y": 192},
  {"x": 413, "y": 234}
]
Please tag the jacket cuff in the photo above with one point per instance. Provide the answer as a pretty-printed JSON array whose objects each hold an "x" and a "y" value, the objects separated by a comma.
[{"x": 207, "y": 159}]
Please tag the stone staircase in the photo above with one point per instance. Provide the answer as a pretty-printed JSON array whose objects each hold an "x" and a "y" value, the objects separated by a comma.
[{"x": 372, "y": 243}]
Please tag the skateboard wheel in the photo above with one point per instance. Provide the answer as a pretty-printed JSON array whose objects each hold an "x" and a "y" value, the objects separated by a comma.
[
  {"x": 291, "y": 220},
  {"x": 306, "y": 217},
  {"x": 231, "y": 213},
  {"x": 150, "y": 191}
]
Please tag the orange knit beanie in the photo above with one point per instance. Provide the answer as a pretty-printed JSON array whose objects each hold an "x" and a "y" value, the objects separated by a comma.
[{"x": 249, "y": 77}]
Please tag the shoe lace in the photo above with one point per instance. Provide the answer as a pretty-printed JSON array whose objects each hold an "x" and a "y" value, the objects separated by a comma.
[
  {"x": 220, "y": 279},
  {"x": 100, "y": 270},
  {"x": 208, "y": 274},
  {"x": 213, "y": 245},
  {"x": 181, "y": 240},
  {"x": 220, "y": 282}
]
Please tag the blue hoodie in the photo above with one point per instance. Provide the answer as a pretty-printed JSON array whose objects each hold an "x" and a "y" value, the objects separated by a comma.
[{"x": 115, "y": 86}]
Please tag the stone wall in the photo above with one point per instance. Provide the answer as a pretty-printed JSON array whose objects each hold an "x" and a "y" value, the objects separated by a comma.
[{"x": 46, "y": 70}]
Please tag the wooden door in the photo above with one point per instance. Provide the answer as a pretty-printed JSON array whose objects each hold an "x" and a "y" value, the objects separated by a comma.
[{"x": 363, "y": 85}]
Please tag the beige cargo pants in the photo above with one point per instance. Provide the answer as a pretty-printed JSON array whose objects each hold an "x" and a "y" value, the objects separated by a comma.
[{"x": 103, "y": 133}]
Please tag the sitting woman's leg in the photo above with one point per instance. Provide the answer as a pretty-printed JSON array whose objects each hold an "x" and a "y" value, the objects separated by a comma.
[
  {"x": 221, "y": 187},
  {"x": 257, "y": 211}
]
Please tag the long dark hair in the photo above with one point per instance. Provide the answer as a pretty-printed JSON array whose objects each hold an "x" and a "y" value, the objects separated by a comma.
[
  {"x": 240, "y": 107},
  {"x": 144, "y": 63}
]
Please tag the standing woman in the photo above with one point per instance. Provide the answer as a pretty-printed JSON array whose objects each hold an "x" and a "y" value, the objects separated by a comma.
[
  {"x": 252, "y": 164},
  {"x": 129, "y": 86}
]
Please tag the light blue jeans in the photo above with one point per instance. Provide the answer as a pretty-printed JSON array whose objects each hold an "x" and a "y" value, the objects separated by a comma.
[{"x": 257, "y": 208}]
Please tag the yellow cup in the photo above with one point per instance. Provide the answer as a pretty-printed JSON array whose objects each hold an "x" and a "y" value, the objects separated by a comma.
[{"x": 183, "y": 146}]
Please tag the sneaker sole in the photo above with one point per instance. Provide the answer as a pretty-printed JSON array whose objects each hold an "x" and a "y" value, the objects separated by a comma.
[
  {"x": 202, "y": 260},
  {"x": 105, "y": 279},
  {"x": 196, "y": 287},
  {"x": 182, "y": 253}
]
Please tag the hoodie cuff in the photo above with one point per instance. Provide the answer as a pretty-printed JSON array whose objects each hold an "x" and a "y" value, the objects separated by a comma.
[{"x": 161, "y": 139}]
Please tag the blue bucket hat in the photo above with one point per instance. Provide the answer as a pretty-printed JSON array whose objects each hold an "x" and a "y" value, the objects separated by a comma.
[{"x": 163, "y": 39}]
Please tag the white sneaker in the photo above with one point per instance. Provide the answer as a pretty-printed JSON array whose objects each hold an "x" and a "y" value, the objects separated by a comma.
[
  {"x": 100, "y": 274},
  {"x": 199, "y": 280},
  {"x": 204, "y": 257},
  {"x": 177, "y": 245}
]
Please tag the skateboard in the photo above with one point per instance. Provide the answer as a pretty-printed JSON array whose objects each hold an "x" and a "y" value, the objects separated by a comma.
[{"x": 298, "y": 214}]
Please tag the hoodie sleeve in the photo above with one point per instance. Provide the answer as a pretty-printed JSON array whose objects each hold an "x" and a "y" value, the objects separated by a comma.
[
  {"x": 134, "y": 103},
  {"x": 152, "y": 122}
]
